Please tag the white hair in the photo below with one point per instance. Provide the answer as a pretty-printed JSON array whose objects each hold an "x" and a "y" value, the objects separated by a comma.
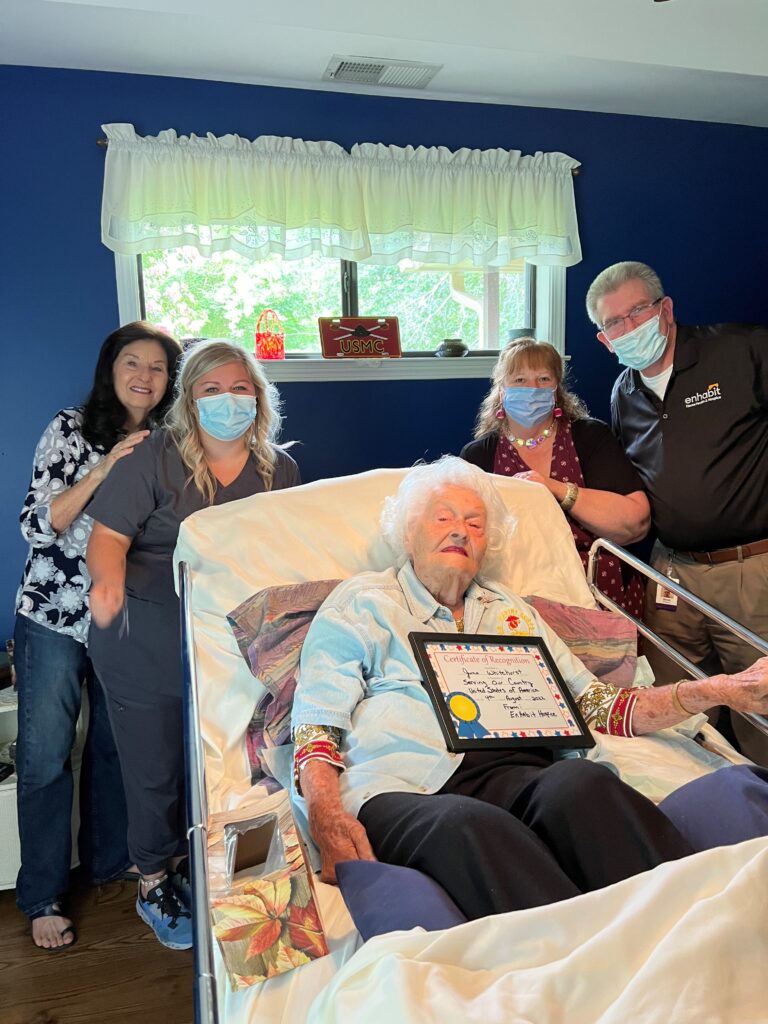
[{"x": 415, "y": 490}]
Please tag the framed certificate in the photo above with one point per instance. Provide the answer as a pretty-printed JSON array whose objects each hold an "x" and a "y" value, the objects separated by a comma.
[{"x": 498, "y": 692}]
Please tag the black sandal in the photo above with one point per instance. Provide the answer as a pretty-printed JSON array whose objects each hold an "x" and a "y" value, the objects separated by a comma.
[{"x": 54, "y": 910}]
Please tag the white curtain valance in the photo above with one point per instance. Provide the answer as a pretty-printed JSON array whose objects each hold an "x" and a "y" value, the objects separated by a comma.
[
  {"x": 378, "y": 204},
  {"x": 482, "y": 207}
]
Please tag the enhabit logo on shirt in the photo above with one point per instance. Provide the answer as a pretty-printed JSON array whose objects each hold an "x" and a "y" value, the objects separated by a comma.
[{"x": 712, "y": 394}]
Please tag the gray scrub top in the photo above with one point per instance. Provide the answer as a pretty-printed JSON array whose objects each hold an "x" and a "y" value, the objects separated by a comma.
[{"x": 146, "y": 497}]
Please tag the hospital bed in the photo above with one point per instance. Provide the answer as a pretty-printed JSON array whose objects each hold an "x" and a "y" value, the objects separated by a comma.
[{"x": 648, "y": 948}]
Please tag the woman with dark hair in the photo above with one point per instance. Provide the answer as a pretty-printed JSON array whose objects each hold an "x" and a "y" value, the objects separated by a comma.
[
  {"x": 531, "y": 426},
  {"x": 132, "y": 389}
]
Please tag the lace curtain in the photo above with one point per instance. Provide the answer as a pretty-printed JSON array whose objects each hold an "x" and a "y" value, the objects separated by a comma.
[{"x": 378, "y": 204}]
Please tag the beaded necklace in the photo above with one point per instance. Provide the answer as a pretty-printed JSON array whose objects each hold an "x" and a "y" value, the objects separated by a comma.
[{"x": 532, "y": 442}]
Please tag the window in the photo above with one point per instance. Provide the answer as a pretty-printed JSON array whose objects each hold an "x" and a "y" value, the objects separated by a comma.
[
  {"x": 452, "y": 232},
  {"x": 222, "y": 296}
]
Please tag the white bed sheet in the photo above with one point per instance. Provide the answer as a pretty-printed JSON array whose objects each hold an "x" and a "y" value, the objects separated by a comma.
[{"x": 686, "y": 943}]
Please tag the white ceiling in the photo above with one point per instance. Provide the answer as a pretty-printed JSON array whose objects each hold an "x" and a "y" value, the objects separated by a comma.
[{"x": 704, "y": 60}]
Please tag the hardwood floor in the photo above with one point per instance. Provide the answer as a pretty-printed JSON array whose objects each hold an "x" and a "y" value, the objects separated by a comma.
[{"x": 118, "y": 973}]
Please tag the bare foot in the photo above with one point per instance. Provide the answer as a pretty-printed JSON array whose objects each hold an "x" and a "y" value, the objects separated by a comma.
[{"x": 51, "y": 932}]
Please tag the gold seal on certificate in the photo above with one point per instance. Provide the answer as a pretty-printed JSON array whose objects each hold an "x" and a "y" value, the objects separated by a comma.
[{"x": 498, "y": 692}]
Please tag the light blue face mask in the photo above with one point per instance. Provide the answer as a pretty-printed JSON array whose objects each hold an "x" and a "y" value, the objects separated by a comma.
[
  {"x": 226, "y": 417},
  {"x": 642, "y": 347},
  {"x": 529, "y": 406}
]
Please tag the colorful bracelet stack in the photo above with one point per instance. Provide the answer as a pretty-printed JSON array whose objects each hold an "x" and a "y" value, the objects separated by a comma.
[
  {"x": 620, "y": 714},
  {"x": 608, "y": 709},
  {"x": 315, "y": 743}
]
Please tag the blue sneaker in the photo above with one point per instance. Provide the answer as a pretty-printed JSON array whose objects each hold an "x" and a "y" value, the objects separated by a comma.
[
  {"x": 162, "y": 910},
  {"x": 180, "y": 881}
]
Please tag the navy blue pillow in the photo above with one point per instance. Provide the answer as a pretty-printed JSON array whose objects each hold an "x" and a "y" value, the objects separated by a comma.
[
  {"x": 722, "y": 808},
  {"x": 387, "y": 898}
]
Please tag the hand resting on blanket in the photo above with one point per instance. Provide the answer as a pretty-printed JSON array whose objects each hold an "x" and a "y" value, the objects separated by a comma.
[
  {"x": 742, "y": 691},
  {"x": 338, "y": 835}
]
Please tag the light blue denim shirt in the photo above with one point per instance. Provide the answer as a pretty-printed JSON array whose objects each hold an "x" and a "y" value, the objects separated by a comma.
[{"x": 358, "y": 673}]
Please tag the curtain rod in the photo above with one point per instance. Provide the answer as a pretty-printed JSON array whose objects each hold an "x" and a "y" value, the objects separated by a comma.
[{"x": 105, "y": 142}]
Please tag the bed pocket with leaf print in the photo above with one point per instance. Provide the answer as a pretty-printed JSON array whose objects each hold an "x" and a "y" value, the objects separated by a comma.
[{"x": 263, "y": 908}]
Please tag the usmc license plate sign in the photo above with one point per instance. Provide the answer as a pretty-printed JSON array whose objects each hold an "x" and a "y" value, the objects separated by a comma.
[{"x": 359, "y": 337}]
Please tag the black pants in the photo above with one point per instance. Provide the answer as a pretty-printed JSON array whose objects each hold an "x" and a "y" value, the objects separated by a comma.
[
  {"x": 503, "y": 835},
  {"x": 139, "y": 663},
  {"x": 150, "y": 743}
]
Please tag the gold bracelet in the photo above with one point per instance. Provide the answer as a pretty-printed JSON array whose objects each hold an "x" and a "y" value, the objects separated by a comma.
[
  {"x": 571, "y": 494},
  {"x": 677, "y": 702}
]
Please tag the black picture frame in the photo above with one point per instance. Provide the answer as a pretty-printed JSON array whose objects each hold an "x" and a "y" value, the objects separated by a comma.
[{"x": 513, "y": 679}]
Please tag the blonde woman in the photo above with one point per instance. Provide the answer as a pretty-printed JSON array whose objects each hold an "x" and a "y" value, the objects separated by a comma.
[
  {"x": 219, "y": 445},
  {"x": 530, "y": 426}
]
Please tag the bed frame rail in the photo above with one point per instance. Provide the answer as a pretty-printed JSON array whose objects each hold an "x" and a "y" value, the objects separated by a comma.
[
  {"x": 759, "y": 721},
  {"x": 206, "y": 1004}
]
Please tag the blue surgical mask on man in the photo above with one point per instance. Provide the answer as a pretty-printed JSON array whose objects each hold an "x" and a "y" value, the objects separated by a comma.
[
  {"x": 528, "y": 406},
  {"x": 226, "y": 417},
  {"x": 641, "y": 347}
]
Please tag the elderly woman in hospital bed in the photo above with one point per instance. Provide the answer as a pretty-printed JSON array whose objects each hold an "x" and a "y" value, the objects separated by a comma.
[{"x": 371, "y": 765}]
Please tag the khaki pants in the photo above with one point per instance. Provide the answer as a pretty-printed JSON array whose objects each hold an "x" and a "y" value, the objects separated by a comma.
[{"x": 740, "y": 590}]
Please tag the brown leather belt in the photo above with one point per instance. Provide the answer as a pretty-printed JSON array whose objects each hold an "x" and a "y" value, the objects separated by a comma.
[{"x": 737, "y": 554}]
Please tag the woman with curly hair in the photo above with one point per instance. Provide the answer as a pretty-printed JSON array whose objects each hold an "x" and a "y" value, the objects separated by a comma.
[
  {"x": 132, "y": 389},
  {"x": 220, "y": 445},
  {"x": 530, "y": 426}
]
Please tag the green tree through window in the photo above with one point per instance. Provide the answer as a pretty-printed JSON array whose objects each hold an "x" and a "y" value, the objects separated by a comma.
[{"x": 221, "y": 297}]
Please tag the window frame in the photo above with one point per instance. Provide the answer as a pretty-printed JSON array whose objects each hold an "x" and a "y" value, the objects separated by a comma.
[{"x": 549, "y": 325}]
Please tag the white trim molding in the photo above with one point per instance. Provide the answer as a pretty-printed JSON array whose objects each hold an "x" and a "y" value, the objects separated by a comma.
[
  {"x": 550, "y": 306},
  {"x": 128, "y": 296},
  {"x": 425, "y": 367}
]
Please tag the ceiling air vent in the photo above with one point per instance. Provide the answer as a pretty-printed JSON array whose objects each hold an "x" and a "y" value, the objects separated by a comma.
[{"x": 394, "y": 74}]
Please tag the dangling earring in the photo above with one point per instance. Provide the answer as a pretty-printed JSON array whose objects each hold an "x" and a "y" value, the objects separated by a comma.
[
  {"x": 558, "y": 412},
  {"x": 500, "y": 414}
]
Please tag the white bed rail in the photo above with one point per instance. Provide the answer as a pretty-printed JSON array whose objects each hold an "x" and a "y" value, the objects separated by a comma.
[
  {"x": 206, "y": 1005},
  {"x": 759, "y": 721}
]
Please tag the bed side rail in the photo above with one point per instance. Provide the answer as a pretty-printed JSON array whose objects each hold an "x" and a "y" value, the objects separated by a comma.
[
  {"x": 759, "y": 721},
  {"x": 206, "y": 1005}
]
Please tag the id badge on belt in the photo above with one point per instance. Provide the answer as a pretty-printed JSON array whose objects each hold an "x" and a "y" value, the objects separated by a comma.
[{"x": 666, "y": 600}]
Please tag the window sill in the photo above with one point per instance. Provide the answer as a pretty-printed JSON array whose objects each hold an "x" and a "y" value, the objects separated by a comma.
[{"x": 408, "y": 368}]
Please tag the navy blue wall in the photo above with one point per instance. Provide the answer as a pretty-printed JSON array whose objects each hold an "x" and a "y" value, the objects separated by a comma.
[{"x": 686, "y": 197}]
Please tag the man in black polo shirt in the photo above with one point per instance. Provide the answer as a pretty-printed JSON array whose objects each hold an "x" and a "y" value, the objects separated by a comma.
[{"x": 691, "y": 410}]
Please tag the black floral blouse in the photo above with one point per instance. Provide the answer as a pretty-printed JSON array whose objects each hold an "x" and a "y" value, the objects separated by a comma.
[{"x": 54, "y": 586}]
